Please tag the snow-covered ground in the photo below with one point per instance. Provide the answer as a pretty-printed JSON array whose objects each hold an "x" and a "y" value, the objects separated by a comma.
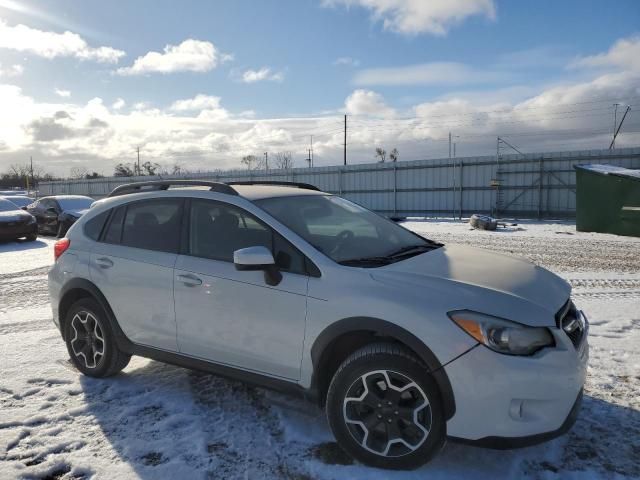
[{"x": 159, "y": 421}]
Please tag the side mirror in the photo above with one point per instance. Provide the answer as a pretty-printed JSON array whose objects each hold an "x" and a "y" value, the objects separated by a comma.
[{"x": 258, "y": 258}]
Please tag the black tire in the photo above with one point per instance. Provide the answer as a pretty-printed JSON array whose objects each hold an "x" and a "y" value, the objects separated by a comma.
[
  {"x": 400, "y": 365},
  {"x": 61, "y": 230},
  {"x": 32, "y": 238},
  {"x": 111, "y": 360}
]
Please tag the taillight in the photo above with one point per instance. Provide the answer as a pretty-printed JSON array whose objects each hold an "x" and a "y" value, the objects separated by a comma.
[{"x": 60, "y": 247}]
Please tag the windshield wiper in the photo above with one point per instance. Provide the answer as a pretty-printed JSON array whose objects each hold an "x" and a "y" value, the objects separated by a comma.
[
  {"x": 407, "y": 251},
  {"x": 357, "y": 262},
  {"x": 413, "y": 250}
]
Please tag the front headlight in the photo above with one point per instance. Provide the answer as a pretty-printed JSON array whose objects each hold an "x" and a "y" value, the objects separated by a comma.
[{"x": 502, "y": 336}]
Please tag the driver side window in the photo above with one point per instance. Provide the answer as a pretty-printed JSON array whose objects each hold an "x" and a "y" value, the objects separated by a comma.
[{"x": 216, "y": 230}]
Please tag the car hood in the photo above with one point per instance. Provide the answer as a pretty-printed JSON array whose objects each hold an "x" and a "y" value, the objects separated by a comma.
[
  {"x": 495, "y": 274},
  {"x": 76, "y": 213},
  {"x": 14, "y": 216}
]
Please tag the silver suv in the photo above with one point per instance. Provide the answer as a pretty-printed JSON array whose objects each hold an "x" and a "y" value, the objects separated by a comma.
[{"x": 403, "y": 340}]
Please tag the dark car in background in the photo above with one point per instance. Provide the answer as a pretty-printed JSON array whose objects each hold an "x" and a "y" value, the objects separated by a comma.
[
  {"x": 16, "y": 223},
  {"x": 56, "y": 214},
  {"x": 20, "y": 200}
]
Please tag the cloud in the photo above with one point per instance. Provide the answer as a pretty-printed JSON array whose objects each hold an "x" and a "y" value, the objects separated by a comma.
[
  {"x": 412, "y": 17},
  {"x": 199, "y": 133},
  {"x": 50, "y": 45},
  {"x": 366, "y": 102},
  {"x": 264, "y": 74},
  {"x": 62, "y": 93},
  {"x": 624, "y": 54},
  {"x": 190, "y": 56},
  {"x": 347, "y": 61},
  {"x": 118, "y": 104},
  {"x": 207, "y": 105},
  {"x": 199, "y": 102},
  {"x": 50, "y": 129},
  {"x": 436, "y": 73},
  {"x": 11, "y": 71}
]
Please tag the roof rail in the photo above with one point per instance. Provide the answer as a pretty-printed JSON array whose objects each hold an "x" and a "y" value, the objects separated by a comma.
[
  {"x": 277, "y": 183},
  {"x": 165, "y": 184}
]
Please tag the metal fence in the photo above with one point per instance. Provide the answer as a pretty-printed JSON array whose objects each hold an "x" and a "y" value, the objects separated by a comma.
[{"x": 536, "y": 185}]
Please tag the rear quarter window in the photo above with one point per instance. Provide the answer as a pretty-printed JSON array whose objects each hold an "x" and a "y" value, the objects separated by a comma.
[{"x": 93, "y": 227}]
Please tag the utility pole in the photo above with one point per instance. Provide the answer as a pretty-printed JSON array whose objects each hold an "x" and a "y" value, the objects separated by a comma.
[
  {"x": 345, "y": 139},
  {"x": 138, "y": 150},
  {"x": 309, "y": 158},
  {"x": 452, "y": 137},
  {"x": 266, "y": 160},
  {"x": 33, "y": 183},
  {"x": 615, "y": 123},
  {"x": 311, "y": 153},
  {"x": 613, "y": 141}
]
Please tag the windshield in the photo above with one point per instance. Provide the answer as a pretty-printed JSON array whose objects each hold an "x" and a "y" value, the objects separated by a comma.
[
  {"x": 344, "y": 231},
  {"x": 78, "y": 203},
  {"x": 7, "y": 206},
  {"x": 20, "y": 201}
]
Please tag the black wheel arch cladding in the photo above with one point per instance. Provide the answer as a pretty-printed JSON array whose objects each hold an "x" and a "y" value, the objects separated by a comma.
[{"x": 321, "y": 351}]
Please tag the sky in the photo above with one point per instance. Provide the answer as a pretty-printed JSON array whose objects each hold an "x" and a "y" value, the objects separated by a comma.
[{"x": 200, "y": 84}]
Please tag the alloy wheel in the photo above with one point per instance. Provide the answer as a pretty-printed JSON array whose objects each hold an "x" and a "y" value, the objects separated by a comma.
[
  {"x": 387, "y": 413},
  {"x": 88, "y": 340}
]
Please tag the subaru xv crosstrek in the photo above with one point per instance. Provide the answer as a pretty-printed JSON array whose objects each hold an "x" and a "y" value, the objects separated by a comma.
[{"x": 404, "y": 341}]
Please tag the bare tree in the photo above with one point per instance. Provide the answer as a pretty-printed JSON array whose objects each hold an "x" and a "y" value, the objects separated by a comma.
[
  {"x": 382, "y": 153},
  {"x": 123, "y": 170},
  {"x": 149, "y": 168},
  {"x": 249, "y": 161},
  {"x": 283, "y": 160},
  {"x": 178, "y": 169},
  {"x": 23, "y": 175},
  {"x": 78, "y": 172},
  {"x": 394, "y": 155}
]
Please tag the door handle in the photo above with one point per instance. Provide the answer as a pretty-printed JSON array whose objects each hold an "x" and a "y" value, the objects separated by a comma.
[
  {"x": 104, "y": 262},
  {"x": 189, "y": 280}
]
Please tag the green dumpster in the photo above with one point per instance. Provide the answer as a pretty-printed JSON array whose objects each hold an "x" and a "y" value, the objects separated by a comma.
[{"x": 608, "y": 199}]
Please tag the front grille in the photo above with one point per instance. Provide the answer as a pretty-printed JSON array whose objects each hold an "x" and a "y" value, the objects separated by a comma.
[{"x": 570, "y": 321}]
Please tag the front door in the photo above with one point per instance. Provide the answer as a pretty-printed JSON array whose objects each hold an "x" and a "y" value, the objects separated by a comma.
[{"x": 233, "y": 317}]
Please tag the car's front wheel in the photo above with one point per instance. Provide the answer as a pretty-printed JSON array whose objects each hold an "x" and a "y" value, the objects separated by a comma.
[
  {"x": 385, "y": 409},
  {"x": 90, "y": 340}
]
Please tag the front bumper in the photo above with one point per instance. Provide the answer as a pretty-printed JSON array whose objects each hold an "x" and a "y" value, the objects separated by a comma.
[
  {"x": 507, "y": 401},
  {"x": 10, "y": 231},
  {"x": 508, "y": 443}
]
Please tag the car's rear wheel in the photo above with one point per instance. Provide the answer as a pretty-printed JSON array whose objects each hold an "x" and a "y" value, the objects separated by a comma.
[
  {"x": 90, "y": 340},
  {"x": 32, "y": 237},
  {"x": 385, "y": 409}
]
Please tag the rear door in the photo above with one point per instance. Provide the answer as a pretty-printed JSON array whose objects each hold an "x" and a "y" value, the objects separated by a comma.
[
  {"x": 132, "y": 265},
  {"x": 233, "y": 317}
]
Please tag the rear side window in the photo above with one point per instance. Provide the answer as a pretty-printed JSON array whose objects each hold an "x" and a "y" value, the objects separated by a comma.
[
  {"x": 93, "y": 227},
  {"x": 153, "y": 225}
]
